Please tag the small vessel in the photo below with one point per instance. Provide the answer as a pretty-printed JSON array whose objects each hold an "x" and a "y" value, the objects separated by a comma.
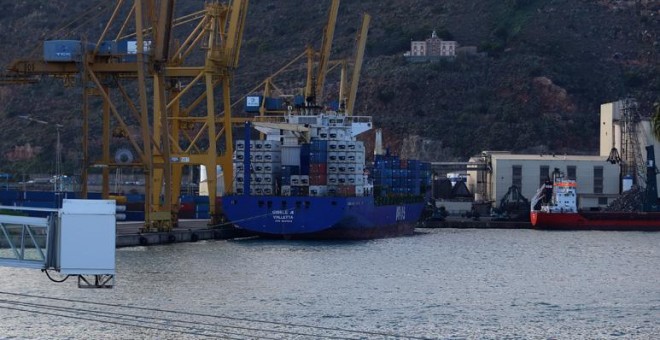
[
  {"x": 309, "y": 179},
  {"x": 555, "y": 207}
]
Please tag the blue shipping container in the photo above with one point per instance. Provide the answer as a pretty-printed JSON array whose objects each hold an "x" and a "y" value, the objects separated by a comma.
[
  {"x": 134, "y": 215},
  {"x": 253, "y": 103},
  {"x": 274, "y": 104},
  {"x": 65, "y": 50}
]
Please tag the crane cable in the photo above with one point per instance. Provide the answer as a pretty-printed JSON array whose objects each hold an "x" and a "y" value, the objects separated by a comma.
[
  {"x": 107, "y": 321},
  {"x": 160, "y": 321},
  {"x": 59, "y": 30},
  {"x": 79, "y": 17},
  {"x": 217, "y": 316}
]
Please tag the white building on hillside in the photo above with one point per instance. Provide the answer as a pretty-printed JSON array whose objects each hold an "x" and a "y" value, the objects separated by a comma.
[{"x": 433, "y": 47}]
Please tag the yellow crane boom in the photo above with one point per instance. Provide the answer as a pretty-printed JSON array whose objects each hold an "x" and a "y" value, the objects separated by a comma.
[
  {"x": 326, "y": 47},
  {"x": 358, "y": 58}
]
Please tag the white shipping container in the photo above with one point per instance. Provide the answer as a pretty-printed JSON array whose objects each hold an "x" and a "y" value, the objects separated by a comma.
[
  {"x": 350, "y": 157},
  {"x": 240, "y": 158},
  {"x": 333, "y": 134},
  {"x": 323, "y": 133},
  {"x": 333, "y": 179},
  {"x": 358, "y": 179},
  {"x": 272, "y": 157},
  {"x": 268, "y": 179},
  {"x": 272, "y": 145},
  {"x": 318, "y": 190},
  {"x": 290, "y": 141},
  {"x": 285, "y": 190},
  {"x": 290, "y": 155},
  {"x": 353, "y": 168}
]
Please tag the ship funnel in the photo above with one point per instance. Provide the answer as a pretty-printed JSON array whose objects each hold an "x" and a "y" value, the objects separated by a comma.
[
  {"x": 378, "y": 147},
  {"x": 203, "y": 181}
]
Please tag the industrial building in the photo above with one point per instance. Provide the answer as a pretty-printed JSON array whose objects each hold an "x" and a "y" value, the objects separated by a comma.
[
  {"x": 600, "y": 178},
  {"x": 622, "y": 129}
]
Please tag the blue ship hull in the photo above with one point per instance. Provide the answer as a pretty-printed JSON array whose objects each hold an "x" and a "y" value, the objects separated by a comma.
[{"x": 321, "y": 217}]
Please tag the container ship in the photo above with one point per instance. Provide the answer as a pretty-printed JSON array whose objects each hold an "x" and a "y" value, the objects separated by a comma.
[
  {"x": 555, "y": 207},
  {"x": 308, "y": 179}
]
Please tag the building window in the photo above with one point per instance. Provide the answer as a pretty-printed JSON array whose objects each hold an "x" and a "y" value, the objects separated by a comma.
[
  {"x": 571, "y": 172},
  {"x": 598, "y": 180},
  {"x": 516, "y": 176},
  {"x": 544, "y": 174},
  {"x": 602, "y": 200}
]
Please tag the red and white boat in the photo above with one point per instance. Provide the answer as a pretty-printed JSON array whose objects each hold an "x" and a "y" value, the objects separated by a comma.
[{"x": 558, "y": 210}]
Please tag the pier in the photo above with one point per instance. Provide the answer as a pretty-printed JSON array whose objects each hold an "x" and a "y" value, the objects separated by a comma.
[
  {"x": 485, "y": 223},
  {"x": 129, "y": 235}
]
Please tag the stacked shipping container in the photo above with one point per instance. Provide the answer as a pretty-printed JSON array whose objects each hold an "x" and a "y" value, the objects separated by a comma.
[
  {"x": 331, "y": 164},
  {"x": 265, "y": 163},
  {"x": 397, "y": 177}
]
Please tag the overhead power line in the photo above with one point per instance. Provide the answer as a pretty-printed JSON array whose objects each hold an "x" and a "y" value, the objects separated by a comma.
[{"x": 197, "y": 329}]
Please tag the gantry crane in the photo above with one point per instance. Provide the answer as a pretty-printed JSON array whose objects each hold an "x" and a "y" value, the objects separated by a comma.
[
  {"x": 315, "y": 80},
  {"x": 175, "y": 130}
]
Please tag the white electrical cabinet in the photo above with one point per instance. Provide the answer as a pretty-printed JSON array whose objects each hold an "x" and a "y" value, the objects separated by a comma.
[{"x": 87, "y": 237}]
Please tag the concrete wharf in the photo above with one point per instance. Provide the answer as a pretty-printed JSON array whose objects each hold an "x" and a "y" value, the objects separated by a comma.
[{"x": 129, "y": 235}]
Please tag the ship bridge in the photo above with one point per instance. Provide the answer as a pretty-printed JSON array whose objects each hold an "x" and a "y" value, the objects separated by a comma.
[{"x": 272, "y": 125}]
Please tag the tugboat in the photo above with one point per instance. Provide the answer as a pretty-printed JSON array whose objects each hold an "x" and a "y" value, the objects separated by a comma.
[{"x": 555, "y": 207}]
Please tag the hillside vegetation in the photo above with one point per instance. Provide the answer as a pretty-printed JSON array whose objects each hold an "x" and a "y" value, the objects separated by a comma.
[{"x": 546, "y": 68}]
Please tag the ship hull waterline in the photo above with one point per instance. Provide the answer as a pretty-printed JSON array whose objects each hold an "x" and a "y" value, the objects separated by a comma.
[
  {"x": 321, "y": 217},
  {"x": 615, "y": 221}
]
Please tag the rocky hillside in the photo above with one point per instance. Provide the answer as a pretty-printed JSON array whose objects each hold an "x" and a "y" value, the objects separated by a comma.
[{"x": 546, "y": 67}]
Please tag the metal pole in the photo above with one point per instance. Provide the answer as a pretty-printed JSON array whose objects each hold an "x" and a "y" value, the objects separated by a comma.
[
  {"x": 58, "y": 160},
  {"x": 57, "y": 186}
]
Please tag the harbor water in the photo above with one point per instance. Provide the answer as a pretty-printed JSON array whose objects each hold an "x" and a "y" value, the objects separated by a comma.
[{"x": 438, "y": 284}]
